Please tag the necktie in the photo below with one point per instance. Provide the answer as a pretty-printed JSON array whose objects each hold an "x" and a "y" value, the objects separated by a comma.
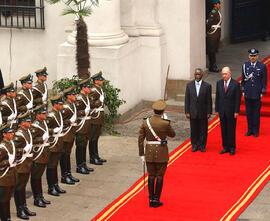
[
  {"x": 225, "y": 86},
  {"x": 197, "y": 88}
]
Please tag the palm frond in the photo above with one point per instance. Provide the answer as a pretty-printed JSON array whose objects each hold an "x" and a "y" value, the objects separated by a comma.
[
  {"x": 53, "y": 1},
  {"x": 69, "y": 11},
  {"x": 95, "y": 2},
  {"x": 68, "y": 2},
  {"x": 86, "y": 11}
]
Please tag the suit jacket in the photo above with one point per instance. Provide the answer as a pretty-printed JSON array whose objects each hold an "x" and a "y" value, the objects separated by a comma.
[
  {"x": 198, "y": 106},
  {"x": 228, "y": 103},
  {"x": 256, "y": 85},
  {"x": 155, "y": 152}
]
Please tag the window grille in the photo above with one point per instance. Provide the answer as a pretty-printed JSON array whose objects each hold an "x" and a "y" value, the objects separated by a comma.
[{"x": 28, "y": 14}]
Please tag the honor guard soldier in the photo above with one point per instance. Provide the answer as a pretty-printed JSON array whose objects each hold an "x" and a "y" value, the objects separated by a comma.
[
  {"x": 40, "y": 133},
  {"x": 7, "y": 170},
  {"x": 213, "y": 27},
  {"x": 254, "y": 82},
  {"x": 40, "y": 89},
  {"x": 24, "y": 99},
  {"x": 8, "y": 106},
  {"x": 55, "y": 122},
  {"x": 69, "y": 113},
  {"x": 23, "y": 140},
  {"x": 82, "y": 132},
  {"x": 97, "y": 118},
  {"x": 155, "y": 130}
]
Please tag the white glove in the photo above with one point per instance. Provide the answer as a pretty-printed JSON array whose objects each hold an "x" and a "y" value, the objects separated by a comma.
[
  {"x": 87, "y": 110},
  {"x": 44, "y": 97},
  {"x": 29, "y": 105},
  {"x": 56, "y": 130},
  {"x": 143, "y": 159},
  {"x": 11, "y": 117},
  {"x": 101, "y": 98},
  {"x": 164, "y": 116},
  {"x": 45, "y": 136}
]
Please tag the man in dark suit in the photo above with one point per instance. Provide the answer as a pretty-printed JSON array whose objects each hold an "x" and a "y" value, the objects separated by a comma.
[
  {"x": 228, "y": 98},
  {"x": 254, "y": 83},
  {"x": 198, "y": 108}
]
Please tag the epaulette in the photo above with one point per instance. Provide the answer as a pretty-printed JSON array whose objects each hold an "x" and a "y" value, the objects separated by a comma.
[
  {"x": 51, "y": 114},
  {"x": 213, "y": 11},
  {"x": 35, "y": 84},
  {"x": 65, "y": 106},
  {"x": 79, "y": 97}
]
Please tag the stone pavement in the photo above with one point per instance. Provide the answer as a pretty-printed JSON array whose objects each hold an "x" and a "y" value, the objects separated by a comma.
[{"x": 95, "y": 191}]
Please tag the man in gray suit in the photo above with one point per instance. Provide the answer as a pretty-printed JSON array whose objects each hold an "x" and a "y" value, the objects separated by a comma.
[{"x": 198, "y": 108}]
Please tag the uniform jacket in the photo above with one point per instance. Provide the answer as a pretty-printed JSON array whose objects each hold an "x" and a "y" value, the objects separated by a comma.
[
  {"x": 22, "y": 138},
  {"x": 228, "y": 103},
  {"x": 97, "y": 104},
  {"x": 24, "y": 98},
  {"x": 69, "y": 114},
  {"x": 54, "y": 121},
  {"x": 10, "y": 177},
  {"x": 81, "y": 104},
  {"x": 254, "y": 86},
  {"x": 8, "y": 109},
  {"x": 155, "y": 153},
  {"x": 198, "y": 106},
  {"x": 38, "y": 129},
  {"x": 40, "y": 93}
]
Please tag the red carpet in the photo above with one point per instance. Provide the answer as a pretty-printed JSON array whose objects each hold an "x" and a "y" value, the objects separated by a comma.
[{"x": 265, "y": 109}]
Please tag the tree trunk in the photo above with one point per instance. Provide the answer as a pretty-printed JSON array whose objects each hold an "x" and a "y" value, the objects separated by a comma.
[{"x": 82, "y": 50}]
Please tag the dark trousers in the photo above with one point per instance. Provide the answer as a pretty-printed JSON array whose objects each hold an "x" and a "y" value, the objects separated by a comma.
[
  {"x": 95, "y": 131},
  {"x": 81, "y": 144},
  {"x": 253, "y": 108},
  {"x": 228, "y": 127},
  {"x": 156, "y": 170},
  {"x": 198, "y": 132},
  {"x": 19, "y": 194},
  {"x": 36, "y": 174},
  {"x": 65, "y": 158}
]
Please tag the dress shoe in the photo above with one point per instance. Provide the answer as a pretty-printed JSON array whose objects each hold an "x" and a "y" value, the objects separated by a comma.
[
  {"x": 82, "y": 170},
  {"x": 73, "y": 178},
  {"x": 256, "y": 135},
  {"x": 223, "y": 151},
  {"x": 102, "y": 160},
  {"x": 88, "y": 168},
  {"x": 27, "y": 211},
  {"x": 44, "y": 200},
  {"x": 232, "y": 152},
  {"x": 151, "y": 203},
  {"x": 202, "y": 149},
  {"x": 66, "y": 179},
  {"x": 95, "y": 161},
  {"x": 39, "y": 203},
  {"x": 58, "y": 189},
  {"x": 52, "y": 191},
  {"x": 248, "y": 134},
  {"x": 194, "y": 149},
  {"x": 21, "y": 213},
  {"x": 157, "y": 203}
]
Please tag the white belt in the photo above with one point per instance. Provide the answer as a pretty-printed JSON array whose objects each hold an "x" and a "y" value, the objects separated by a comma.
[
  {"x": 99, "y": 109},
  {"x": 88, "y": 118},
  {"x": 216, "y": 26},
  {"x": 153, "y": 142}
]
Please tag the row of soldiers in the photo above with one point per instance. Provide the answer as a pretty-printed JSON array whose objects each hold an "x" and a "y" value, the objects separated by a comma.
[{"x": 34, "y": 140}]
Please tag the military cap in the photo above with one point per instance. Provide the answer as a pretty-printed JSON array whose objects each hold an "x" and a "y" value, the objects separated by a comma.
[
  {"x": 57, "y": 100},
  {"x": 253, "y": 51},
  {"x": 159, "y": 105},
  {"x": 42, "y": 71},
  {"x": 24, "y": 117},
  {"x": 69, "y": 91},
  {"x": 26, "y": 79},
  {"x": 6, "y": 128},
  {"x": 8, "y": 88},
  {"x": 97, "y": 76},
  {"x": 41, "y": 109},
  {"x": 215, "y": 1},
  {"x": 85, "y": 83}
]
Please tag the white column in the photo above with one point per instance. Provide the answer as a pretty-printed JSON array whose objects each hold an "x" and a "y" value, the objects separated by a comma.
[
  {"x": 104, "y": 25},
  {"x": 147, "y": 18}
]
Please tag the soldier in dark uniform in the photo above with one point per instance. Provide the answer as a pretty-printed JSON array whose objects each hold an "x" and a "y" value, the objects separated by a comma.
[
  {"x": 82, "y": 132},
  {"x": 213, "y": 27},
  {"x": 97, "y": 118},
  {"x": 254, "y": 83},
  {"x": 40, "y": 89},
  {"x": 8, "y": 106},
  {"x": 23, "y": 140},
  {"x": 155, "y": 130},
  {"x": 69, "y": 113},
  {"x": 24, "y": 99},
  {"x": 55, "y": 123},
  {"x": 8, "y": 157},
  {"x": 40, "y": 133}
]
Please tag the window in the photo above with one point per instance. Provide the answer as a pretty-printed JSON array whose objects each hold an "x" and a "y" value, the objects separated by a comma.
[{"x": 22, "y": 14}]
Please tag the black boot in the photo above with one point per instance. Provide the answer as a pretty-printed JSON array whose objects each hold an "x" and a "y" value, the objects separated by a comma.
[
  {"x": 19, "y": 205},
  {"x": 8, "y": 211},
  {"x": 4, "y": 211},
  {"x": 63, "y": 164},
  {"x": 38, "y": 201},
  {"x": 92, "y": 154},
  {"x": 69, "y": 170},
  {"x": 87, "y": 168},
  {"x": 158, "y": 190},
  {"x": 82, "y": 170},
  {"x": 96, "y": 152},
  {"x": 26, "y": 210},
  {"x": 151, "y": 184},
  {"x": 21, "y": 213},
  {"x": 52, "y": 191},
  {"x": 36, "y": 193},
  {"x": 50, "y": 180},
  {"x": 58, "y": 189},
  {"x": 95, "y": 161},
  {"x": 41, "y": 192},
  {"x": 66, "y": 179}
]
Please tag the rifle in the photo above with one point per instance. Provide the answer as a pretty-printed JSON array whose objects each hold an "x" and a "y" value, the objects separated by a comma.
[{"x": 168, "y": 70}]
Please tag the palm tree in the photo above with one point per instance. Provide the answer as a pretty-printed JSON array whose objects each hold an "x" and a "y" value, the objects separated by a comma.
[{"x": 81, "y": 9}]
